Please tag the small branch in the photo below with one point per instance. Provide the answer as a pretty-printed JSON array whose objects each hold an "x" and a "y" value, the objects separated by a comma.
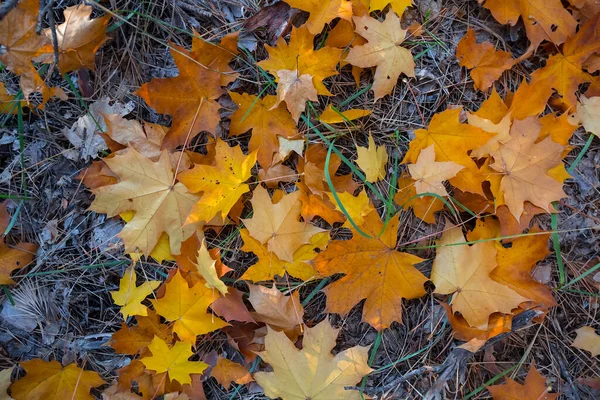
[
  {"x": 6, "y": 7},
  {"x": 47, "y": 9}
]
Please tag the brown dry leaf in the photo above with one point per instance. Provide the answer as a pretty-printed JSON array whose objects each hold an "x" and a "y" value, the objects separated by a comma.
[
  {"x": 299, "y": 55},
  {"x": 295, "y": 90},
  {"x": 372, "y": 160},
  {"x": 374, "y": 271},
  {"x": 313, "y": 372},
  {"x": 465, "y": 271},
  {"x": 12, "y": 257},
  {"x": 563, "y": 71},
  {"x": 248, "y": 339},
  {"x": 226, "y": 372},
  {"x": 277, "y": 225},
  {"x": 282, "y": 313},
  {"x": 485, "y": 62},
  {"x": 232, "y": 307},
  {"x": 429, "y": 175},
  {"x": 322, "y": 12},
  {"x": 587, "y": 339},
  {"x": 79, "y": 38},
  {"x": 268, "y": 124},
  {"x": 121, "y": 133},
  {"x": 147, "y": 188},
  {"x": 587, "y": 114},
  {"x": 383, "y": 51},
  {"x": 543, "y": 19},
  {"x": 52, "y": 381},
  {"x": 275, "y": 174},
  {"x": 534, "y": 388},
  {"x": 524, "y": 167},
  {"x": 452, "y": 141},
  {"x": 133, "y": 340},
  {"x": 113, "y": 393},
  {"x": 190, "y": 98},
  {"x": 424, "y": 207}
]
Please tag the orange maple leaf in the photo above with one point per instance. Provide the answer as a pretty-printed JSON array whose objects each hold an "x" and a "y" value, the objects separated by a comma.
[
  {"x": 133, "y": 340},
  {"x": 226, "y": 372},
  {"x": 534, "y": 388},
  {"x": 12, "y": 257},
  {"x": 322, "y": 12}
]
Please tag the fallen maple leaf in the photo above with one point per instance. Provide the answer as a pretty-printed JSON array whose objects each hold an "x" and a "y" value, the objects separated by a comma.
[
  {"x": 268, "y": 125},
  {"x": 524, "y": 167},
  {"x": 232, "y": 307},
  {"x": 217, "y": 56},
  {"x": 485, "y": 62},
  {"x": 465, "y": 270},
  {"x": 122, "y": 133},
  {"x": 372, "y": 160},
  {"x": 534, "y": 388},
  {"x": 130, "y": 296},
  {"x": 187, "y": 307},
  {"x": 424, "y": 207},
  {"x": 13, "y": 257},
  {"x": 281, "y": 313},
  {"x": 190, "y": 98},
  {"x": 269, "y": 265},
  {"x": 51, "y": 381},
  {"x": 226, "y": 372},
  {"x": 173, "y": 361},
  {"x": 295, "y": 90},
  {"x": 587, "y": 339},
  {"x": 383, "y": 51},
  {"x": 113, "y": 393},
  {"x": 79, "y": 38},
  {"x": 587, "y": 114},
  {"x": 501, "y": 131},
  {"x": 373, "y": 270},
  {"x": 498, "y": 323},
  {"x": 299, "y": 55},
  {"x": 357, "y": 207},
  {"x": 206, "y": 267},
  {"x": 149, "y": 189},
  {"x": 322, "y": 12},
  {"x": 277, "y": 225},
  {"x": 133, "y": 340},
  {"x": 333, "y": 116},
  {"x": 397, "y": 5},
  {"x": 452, "y": 142},
  {"x": 8, "y": 102},
  {"x": 429, "y": 174},
  {"x": 543, "y": 19},
  {"x": 313, "y": 372},
  {"x": 221, "y": 184},
  {"x": 563, "y": 71}
]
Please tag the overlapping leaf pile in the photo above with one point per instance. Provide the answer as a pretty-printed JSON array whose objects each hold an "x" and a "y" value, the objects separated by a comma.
[{"x": 503, "y": 162}]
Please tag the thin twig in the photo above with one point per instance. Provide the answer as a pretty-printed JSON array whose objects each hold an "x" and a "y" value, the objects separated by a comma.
[
  {"x": 47, "y": 9},
  {"x": 6, "y": 7}
]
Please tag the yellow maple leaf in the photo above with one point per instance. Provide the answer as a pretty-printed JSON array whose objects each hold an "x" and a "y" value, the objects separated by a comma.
[
  {"x": 429, "y": 174},
  {"x": 221, "y": 184},
  {"x": 322, "y": 12},
  {"x": 374, "y": 271},
  {"x": 372, "y": 160},
  {"x": 173, "y": 361},
  {"x": 187, "y": 307},
  {"x": 147, "y": 188},
  {"x": 295, "y": 90},
  {"x": 587, "y": 339},
  {"x": 465, "y": 271},
  {"x": 331, "y": 116},
  {"x": 205, "y": 265},
  {"x": 383, "y": 51},
  {"x": 130, "y": 297},
  {"x": 357, "y": 207},
  {"x": 51, "y": 381},
  {"x": 277, "y": 225},
  {"x": 313, "y": 372}
]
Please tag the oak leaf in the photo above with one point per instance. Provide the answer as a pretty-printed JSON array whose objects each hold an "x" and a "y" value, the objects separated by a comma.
[
  {"x": 268, "y": 125},
  {"x": 322, "y": 12},
  {"x": 269, "y": 265},
  {"x": 524, "y": 167},
  {"x": 221, "y": 184},
  {"x": 190, "y": 98},
  {"x": 465, "y": 271},
  {"x": 13, "y": 257},
  {"x": 397, "y": 5},
  {"x": 587, "y": 339},
  {"x": 383, "y": 51},
  {"x": 543, "y": 19},
  {"x": 281, "y": 313},
  {"x": 452, "y": 142},
  {"x": 227, "y": 372},
  {"x": 173, "y": 361},
  {"x": 429, "y": 174},
  {"x": 79, "y": 37},
  {"x": 277, "y": 225},
  {"x": 534, "y": 388},
  {"x": 313, "y": 372},
  {"x": 372, "y": 160},
  {"x": 295, "y": 90},
  {"x": 51, "y": 381},
  {"x": 133, "y": 340},
  {"x": 130, "y": 296},
  {"x": 485, "y": 62},
  {"x": 374, "y": 271},
  {"x": 587, "y": 114},
  {"x": 333, "y": 116},
  {"x": 299, "y": 55},
  {"x": 149, "y": 189},
  {"x": 187, "y": 308}
]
